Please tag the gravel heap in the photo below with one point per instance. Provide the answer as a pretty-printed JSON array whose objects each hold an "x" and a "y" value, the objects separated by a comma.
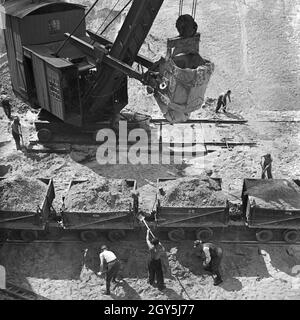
[
  {"x": 20, "y": 193},
  {"x": 275, "y": 193},
  {"x": 103, "y": 195},
  {"x": 191, "y": 192}
]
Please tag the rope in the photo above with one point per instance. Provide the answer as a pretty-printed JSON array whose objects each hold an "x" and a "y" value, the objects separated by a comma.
[{"x": 83, "y": 19}]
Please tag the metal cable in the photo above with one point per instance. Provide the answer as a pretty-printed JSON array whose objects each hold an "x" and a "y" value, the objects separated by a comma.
[
  {"x": 83, "y": 19},
  {"x": 180, "y": 7},
  {"x": 127, "y": 4},
  {"x": 106, "y": 18},
  {"x": 194, "y": 8},
  {"x": 196, "y": 4},
  {"x": 85, "y": 97}
]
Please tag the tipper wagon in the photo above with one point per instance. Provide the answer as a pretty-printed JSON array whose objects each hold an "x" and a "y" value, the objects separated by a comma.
[
  {"x": 272, "y": 208},
  {"x": 202, "y": 221},
  {"x": 90, "y": 223},
  {"x": 25, "y": 218}
]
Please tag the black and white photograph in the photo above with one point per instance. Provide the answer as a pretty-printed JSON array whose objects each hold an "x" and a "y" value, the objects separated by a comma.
[{"x": 150, "y": 151}]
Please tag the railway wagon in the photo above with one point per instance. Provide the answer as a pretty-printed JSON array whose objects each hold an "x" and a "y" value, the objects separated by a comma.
[
  {"x": 272, "y": 208},
  {"x": 199, "y": 222},
  {"x": 90, "y": 224},
  {"x": 28, "y": 224}
]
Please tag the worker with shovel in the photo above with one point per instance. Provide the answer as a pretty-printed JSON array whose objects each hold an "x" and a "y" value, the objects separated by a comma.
[
  {"x": 16, "y": 132},
  {"x": 213, "y": 257},
  {"x": 154, "y": 264},
  {"x": 110, "y": 265},
  {"x": 222, "y": 101},
  {"x": 266, "y": 166}
]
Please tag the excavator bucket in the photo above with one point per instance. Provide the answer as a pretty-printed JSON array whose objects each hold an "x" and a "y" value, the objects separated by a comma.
[{"x": 186, "y": 75}]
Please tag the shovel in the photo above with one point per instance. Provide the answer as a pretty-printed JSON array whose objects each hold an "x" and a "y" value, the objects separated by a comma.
[{"x": 142, "y": 219}]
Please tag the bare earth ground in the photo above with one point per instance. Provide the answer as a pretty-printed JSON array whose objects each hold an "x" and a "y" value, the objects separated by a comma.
[{"x": 255, "y": 47}]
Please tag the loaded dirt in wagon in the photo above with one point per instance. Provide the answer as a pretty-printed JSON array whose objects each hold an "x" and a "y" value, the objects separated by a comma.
[
  {"x": 191, "y": 192},
  {"x": 21, "y": 194},
  {"x": 99, "y": 196}
]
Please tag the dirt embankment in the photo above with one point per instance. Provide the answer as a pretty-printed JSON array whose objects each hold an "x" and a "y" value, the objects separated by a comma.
[
  {"x": 99, "y": 195},
  {"x": 20, "y": 193}
]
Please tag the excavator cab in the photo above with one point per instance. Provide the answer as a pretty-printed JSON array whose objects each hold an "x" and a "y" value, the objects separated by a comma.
[{"x": 79, "y": 78}]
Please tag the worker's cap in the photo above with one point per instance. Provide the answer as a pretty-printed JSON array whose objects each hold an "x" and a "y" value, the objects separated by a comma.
[
  {"x": 197, "y": 243},
  {"x": 104, "y": 247}
]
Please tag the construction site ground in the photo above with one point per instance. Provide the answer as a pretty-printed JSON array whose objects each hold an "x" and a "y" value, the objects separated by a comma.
[{"x": 254, "y": 45}]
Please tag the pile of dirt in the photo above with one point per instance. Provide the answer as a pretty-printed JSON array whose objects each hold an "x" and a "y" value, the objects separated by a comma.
[
  {"x": 21, "y": 193},
  {"x": 191, "y": 192},
  {"x": 280, "y": 194},
  {"x": 102, "y": 195}
]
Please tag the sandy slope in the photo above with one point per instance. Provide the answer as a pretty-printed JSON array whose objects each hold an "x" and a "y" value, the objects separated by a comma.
[{"x": 255, "y": 47}]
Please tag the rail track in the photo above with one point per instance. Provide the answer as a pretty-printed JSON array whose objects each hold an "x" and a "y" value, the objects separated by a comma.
[
  {"x": 15, "y": 292},
  {"x": 238, "y": 242}
]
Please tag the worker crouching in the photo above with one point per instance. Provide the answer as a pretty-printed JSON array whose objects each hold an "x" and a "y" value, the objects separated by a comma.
[
  {"x": 213, "y": 257},
  {"x": 154, "y": 264},
  {"x": 110, "y": 265}
]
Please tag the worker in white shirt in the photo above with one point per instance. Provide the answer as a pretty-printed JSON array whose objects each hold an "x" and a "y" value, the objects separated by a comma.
[
  {"x": 110, "y": 265},
  {"x": 212, "y": 258}
]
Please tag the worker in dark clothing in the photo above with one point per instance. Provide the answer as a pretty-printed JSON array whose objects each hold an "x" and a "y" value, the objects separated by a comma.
[
  {"x": 222, "y": 101},
  {"x": 266, "y": 166},
  {"x": 212, "y": 258},
  {"x": 154, "y": 263},
  {"x": 16, "y": 132},
  {"x": 110, "y": 265},
  {"x": 5, "y": 102}
]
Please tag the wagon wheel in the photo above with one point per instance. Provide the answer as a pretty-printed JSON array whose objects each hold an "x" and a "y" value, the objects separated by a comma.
[
  {"x": 44, "y": 135},
  {"x": 291, "y": 236},
  {"x": 176, "y": 235},
  {"x": 264, "y": 235},
  {"x": 204, "y": 234},
  {"x": 3, "y": 235},
  {"x": 116, "y": 235},
  {"x": 88, "y": 236},
  {"x": 29, "y": 235}
]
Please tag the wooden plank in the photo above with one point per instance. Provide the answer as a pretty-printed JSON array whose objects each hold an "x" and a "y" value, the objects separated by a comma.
[
  {"x": 203, "y": 120},
  {"x": 40, "y": 82}
]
